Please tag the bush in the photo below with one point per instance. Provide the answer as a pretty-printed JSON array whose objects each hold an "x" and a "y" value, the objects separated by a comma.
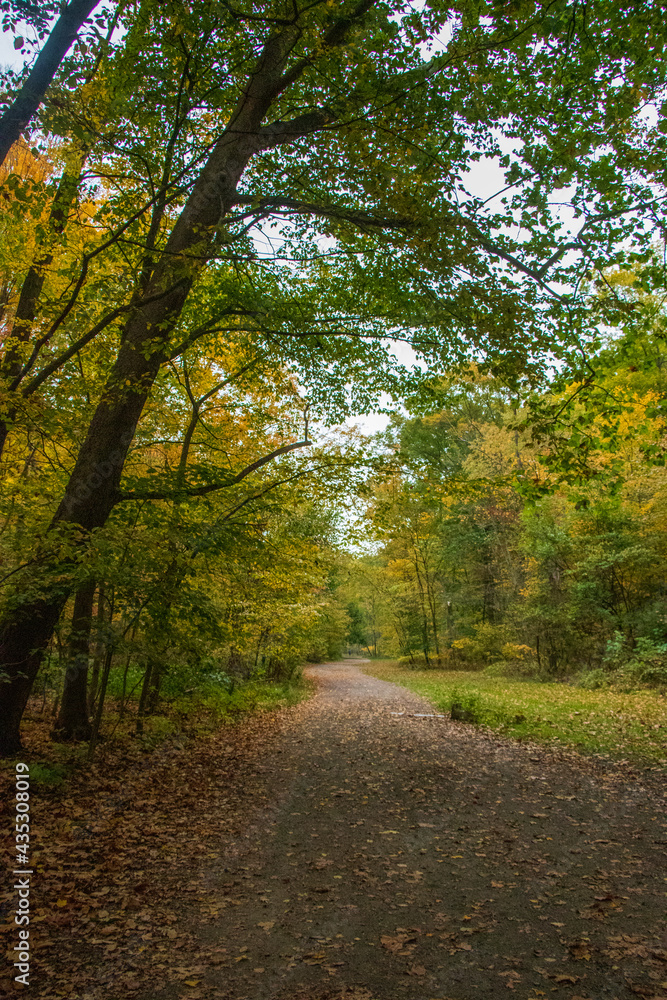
[
  {"x": 282, "y": 670},
  {"x": 644, "y": 663},
  {"x": 522, "y": 668},
  {"x": 592, "y": 680},
  {"x": 465, "y": 707},
  {"x": 419, "y": 660},
  {"x": 220, "y": 679},
  {"x": 468, "y": 653},
  {"x": 47, "y": 775},
  {"x": 517, "y": 651},
  {"x": 490, "y": 640}
]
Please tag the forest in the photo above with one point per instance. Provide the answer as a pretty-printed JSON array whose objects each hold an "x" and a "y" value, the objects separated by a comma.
[
  {"x": 520, "y": 547},
  {"x": 333, "y": 498},
  {"x": 230, "y": 233}
]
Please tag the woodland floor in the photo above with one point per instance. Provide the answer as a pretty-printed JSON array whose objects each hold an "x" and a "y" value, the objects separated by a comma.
[{"x": 335, "y": 849}]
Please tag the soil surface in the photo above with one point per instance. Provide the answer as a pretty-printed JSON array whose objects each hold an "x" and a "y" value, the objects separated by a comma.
[
  {"x": 349, "y": 847},
  {"x": 399, "y": 856}
]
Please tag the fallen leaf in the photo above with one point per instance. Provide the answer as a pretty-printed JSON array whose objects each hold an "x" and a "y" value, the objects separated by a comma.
[{"x": 580, "y": 950}]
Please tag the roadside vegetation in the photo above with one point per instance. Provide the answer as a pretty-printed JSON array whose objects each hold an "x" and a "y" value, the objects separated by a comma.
[
  {"x": 630, "y": 725},
  {"x": 189, "y": 709}
]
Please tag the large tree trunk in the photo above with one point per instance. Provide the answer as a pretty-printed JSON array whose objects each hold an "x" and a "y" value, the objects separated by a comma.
[
  {"x": 93, "y": 488},
  {"x": 73, "y": 722},
  {"x": 22, "y": 642},
  {"x": 90, "y": 496}
]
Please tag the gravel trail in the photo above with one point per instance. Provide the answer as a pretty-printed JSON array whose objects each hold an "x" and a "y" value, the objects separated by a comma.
[{"x": 398, "y": 856}]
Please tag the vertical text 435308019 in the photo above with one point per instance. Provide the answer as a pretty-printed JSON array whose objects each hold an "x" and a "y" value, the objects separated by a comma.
[{"x": 21, "y": 949}]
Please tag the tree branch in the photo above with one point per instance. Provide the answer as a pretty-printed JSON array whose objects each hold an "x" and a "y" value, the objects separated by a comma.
[
  {"x": 31, "y": 94},
  {"x": 335, "y": 35},
  {"x": 61, "y": 359},
  {"x": 280, "y": 131},
  {"x": 326, "y": 211},
  {"x": 200, "y": 491}
]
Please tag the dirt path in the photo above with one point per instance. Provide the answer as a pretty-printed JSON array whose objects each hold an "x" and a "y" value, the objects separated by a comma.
[{"x": 404, "y": 857}]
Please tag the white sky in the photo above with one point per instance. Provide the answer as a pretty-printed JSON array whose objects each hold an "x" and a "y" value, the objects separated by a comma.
[{"x": 9, "y": 56}]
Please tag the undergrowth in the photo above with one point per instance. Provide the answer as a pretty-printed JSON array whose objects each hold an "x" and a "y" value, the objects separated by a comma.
[
  {"x": 626, "y": 725},
  {"x": 192, "y": 714}
]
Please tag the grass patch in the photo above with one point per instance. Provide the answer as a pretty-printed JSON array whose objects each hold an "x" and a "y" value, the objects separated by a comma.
[
  {"x": 198, "y": 713},
  {"x": 630, "y": 726},
  {"x": 47, "y": 775},
  {"x": 214, "y": 705}
]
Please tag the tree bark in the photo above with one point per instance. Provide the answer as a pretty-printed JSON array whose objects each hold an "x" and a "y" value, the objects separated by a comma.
[
  {"x": 22, "y": 643},
  {"x": 19, "y": 113},
  {"x": 73, "y": 722},
  {"x": 426, "y": 644},
  {"x": 100, "y": 647},
  {"x": 144, "y": 697},
  {"x": 100, "y": 704},
  {"x": 154, "y": 687}
]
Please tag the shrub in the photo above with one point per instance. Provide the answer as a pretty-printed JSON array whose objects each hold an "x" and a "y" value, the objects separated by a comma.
[
  {"x": 465, "y": 707},
  {"x": 490, "y": 639},
  {"x": 418, "y": 659},
  {"x": 220, "y": 679},
  {"x": 645, "y": 662},
  {"x": 592, "y": 680},
  {"x": 467, "y": 651},
  {"x": 522, "y": 668},
  {"x": 47, "y": 775},
  {"x": 517, "y": 651}
]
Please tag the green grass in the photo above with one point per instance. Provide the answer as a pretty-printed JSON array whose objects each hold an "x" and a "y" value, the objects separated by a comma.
[
  {"x": 214, "y": 705},
  {"x": 630, "y": 726},
  {"x": 49, "y": 775}
]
